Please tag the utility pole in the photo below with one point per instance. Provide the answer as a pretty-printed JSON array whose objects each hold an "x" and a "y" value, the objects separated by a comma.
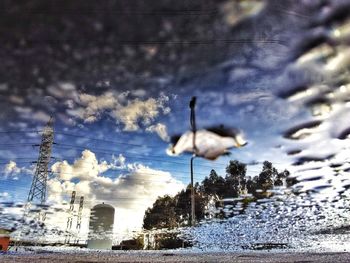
[
  {"x": 80, "y": 213},
  {"x": 70, "y": 218},
  {"x": 194, "y": 130},
  {"x": 38, "y": 188}
]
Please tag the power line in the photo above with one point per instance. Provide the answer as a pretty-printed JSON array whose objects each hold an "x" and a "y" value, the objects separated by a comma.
[
  {"x": 26, "y": 162},
  {"x": 134, "y": 156},
  {"x": 17, "y": 144},
  {"x": 161, "y": 169},
  {"x": 103, "y": 150},
  {"x": 16, "y": 131},
  {"x": 150, "y": 160},
  {"x": 185, "y": 42},
  {"x": 121, "y": 168},
  {"x": 151, "y": 157},
  {"x": 201, "y": 41},
  {"x": 130, "y": 144},
  {"x": 129, "y": 157},
  {"x": 104, "y": 140},
  {"x": 156, "y": 12},
  {"x": 178, "y": 12},
  {"x": 128, "y": 176}
]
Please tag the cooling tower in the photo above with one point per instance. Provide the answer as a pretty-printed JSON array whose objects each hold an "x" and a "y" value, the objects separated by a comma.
[{"x": 101, "y": 227}]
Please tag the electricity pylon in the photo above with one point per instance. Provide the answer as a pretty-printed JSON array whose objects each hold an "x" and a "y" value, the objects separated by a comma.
[
  {"x": 70, "y": 218},
  {"x": 38, "y": 189},
  {"x": 80, "y": 213}
]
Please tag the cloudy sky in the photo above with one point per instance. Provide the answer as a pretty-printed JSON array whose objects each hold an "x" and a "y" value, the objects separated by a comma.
[{"x": 117, "y": 78}]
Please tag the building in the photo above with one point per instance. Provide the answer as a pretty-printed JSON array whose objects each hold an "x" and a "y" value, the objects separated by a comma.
[{"x": 101, "y": 227}]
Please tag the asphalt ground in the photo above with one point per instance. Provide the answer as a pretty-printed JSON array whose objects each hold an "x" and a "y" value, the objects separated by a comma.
[{"x": 164, "y": 256}]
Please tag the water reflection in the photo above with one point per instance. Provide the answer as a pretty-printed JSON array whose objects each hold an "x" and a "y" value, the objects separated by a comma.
[
  {"x": 318, "y": 206},
  {"x": 286, "y": 220},
  {"x": 308, "y": 215}
]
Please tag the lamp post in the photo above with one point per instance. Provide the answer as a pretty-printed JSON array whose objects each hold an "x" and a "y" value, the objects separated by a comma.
[
  {"x": 214, "y": 142},
  {"x": 194, "y": 130},
  {"x": 193, "y": 208}
]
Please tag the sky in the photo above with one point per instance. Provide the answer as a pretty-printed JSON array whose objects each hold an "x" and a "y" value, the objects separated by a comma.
[{"x": 117, "y": 78}]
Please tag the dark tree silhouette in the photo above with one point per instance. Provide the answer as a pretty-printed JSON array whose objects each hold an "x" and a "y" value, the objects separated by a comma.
[
  {"x": 235, "y": 179},
  {"x": 281, "y": 177},
  {"x": 162, "y": 214},
  {"x": 213, "y": 185},
  {"x": 267, "y": 177},
  {"x": 172, "y": 212}
]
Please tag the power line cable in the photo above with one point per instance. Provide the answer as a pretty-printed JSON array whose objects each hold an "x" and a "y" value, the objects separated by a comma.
[{"x": 116, "y": 142}]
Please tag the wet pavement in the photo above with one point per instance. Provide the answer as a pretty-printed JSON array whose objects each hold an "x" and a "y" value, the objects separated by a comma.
[{"x": 178, "y": 257}]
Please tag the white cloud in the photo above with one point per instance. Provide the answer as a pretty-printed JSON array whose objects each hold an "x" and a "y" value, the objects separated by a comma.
[
  {"x": 161, "y": 130},
  {"x": 16, "y": 99},
  {"x": 95, "y": 105},
  {"x": 64, "y": 90},
  {"x": 4, "y": 195},
  {"x": 140, "y": 111},
  {"x": 11, "y": 168},
  {"x": 85, "y": 168},
  {"x": 235, "y": 11},
  {"x": 129, "y": 112},
  {"x": 240, "y": 98},
  {"x": 131, "y": 194},
  {"x": 12, "y": 171},
  {"x": 137, "y": 110},
  {"x": 39, "y": 116},
  {"x": 118, "y": 162},
  {"x": 28, "y": 114}
]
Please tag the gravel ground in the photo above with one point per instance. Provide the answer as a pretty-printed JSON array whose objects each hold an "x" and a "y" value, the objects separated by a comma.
[{"x": 177, "y": 257}]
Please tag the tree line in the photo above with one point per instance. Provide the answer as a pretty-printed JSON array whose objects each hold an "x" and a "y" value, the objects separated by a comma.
[{"x": 172, "y": 212}]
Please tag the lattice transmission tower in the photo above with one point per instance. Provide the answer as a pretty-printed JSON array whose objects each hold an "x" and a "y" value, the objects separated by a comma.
[
  {"x": 71, "y": 216},
  {"x": 38, "y": 189}
]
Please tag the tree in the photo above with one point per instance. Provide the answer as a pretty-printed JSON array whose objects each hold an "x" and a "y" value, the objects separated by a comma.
[
  {"x": 183, "y": 205},
  {"x": 213, "y": 185},
  {"x": 267, "y": 177},
  {"x": 252, "y": 185},
  {"x": 235, "y": 179},
  {"x": 171, "y": 212},
  {"x": 281, "y": 178},
  {"x": 290, "y": 181},
  {"x": 162, "y": 214}
]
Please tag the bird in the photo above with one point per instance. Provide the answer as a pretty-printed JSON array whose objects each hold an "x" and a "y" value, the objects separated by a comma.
[{"x": 210, "y": 143}]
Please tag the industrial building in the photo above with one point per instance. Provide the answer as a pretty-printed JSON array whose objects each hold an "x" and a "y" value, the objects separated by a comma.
[{"x": 101, "y": 227}]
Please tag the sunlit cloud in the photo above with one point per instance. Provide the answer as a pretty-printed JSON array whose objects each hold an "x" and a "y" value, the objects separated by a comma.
[
  {"x": 133, "y": 191},
  {"x": 11, "y": 168},
  {"x": 13, "y": 171},
  {"x": 4, "y": 195},
  {"x": 132, "y": 113},
  {"x": 138, "y": 111},
  {"x": 161, "y": 130},
  {"x": 235, "y": 11}
]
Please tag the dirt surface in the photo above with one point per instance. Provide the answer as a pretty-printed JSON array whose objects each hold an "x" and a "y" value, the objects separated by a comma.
[{"x": 177, "y": 257}]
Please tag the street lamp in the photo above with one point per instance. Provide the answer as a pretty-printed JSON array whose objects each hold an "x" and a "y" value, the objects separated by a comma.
[
  {"x": 209, "y": 143},
  {"x": 194, "y": 130}
]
